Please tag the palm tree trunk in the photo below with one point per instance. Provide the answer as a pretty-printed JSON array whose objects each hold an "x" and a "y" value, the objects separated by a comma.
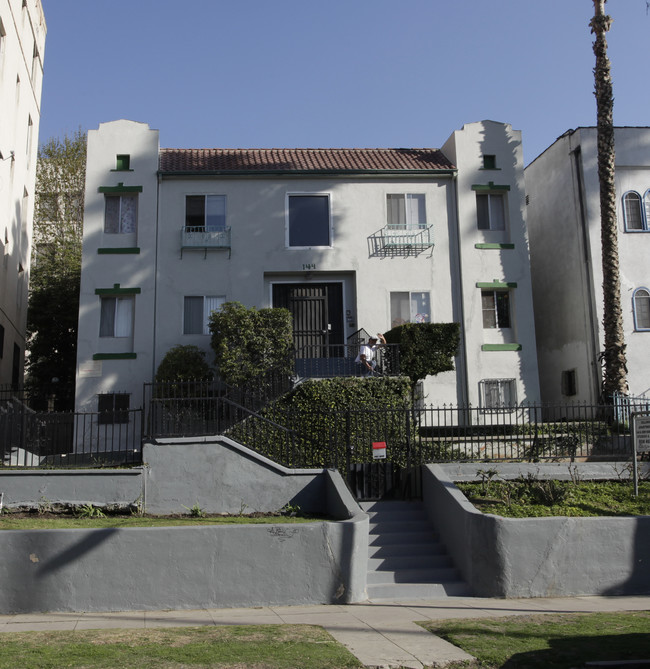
[{"x": 613, "y": 357}]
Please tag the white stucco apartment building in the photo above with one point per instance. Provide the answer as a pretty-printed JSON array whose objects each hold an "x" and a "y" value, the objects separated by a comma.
[
  {"x": 371, "y": 237},
  {"x": 564, "y": 225},
  {"x": 22, "y": 43}
]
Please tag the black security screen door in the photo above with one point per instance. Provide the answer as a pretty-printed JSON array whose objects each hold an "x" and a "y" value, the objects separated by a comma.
[{"x": 317, "y": 312}]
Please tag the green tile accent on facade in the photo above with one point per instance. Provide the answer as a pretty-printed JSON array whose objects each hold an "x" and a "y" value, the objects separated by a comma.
[
  {"x": 496, "y": 284},
  {"x": 501, "y": 347},
  {"x": 115, "y": 356},
  {"x": 120, "y": 188},
  {"x": 491, "y": 186},
  {"x": 117, "y": 250},
  {"x": 117, "y": 290},
  {"x": 494, "y": 246}
]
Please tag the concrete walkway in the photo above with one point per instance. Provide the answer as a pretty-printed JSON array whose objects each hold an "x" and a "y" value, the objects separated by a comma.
[{"x": 380, "y": 634}]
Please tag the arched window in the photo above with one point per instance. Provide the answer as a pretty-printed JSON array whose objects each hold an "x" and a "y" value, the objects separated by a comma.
[
  {"x": 646, "y": 207},
  {"x": 632, "y": 211},
  {"x": 641, "y": 308}
]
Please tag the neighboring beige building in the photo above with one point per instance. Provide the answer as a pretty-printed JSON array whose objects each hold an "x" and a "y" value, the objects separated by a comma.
[
  {"x": 346, "y": 238},
  {"x": 566, "y": 263},
  {"x": 22, "y": 43}
]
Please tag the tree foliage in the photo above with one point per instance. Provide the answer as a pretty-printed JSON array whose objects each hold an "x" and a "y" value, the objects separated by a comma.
[
  {"x": 248, "y": 342},
  {"x": 52, "y": 315},
  {"x": 183, "y": 363},
  {"x": 425, "y": 349}
]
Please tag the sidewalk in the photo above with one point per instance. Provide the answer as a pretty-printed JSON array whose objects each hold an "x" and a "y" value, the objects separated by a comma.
[{"x": 380, "y": 634}]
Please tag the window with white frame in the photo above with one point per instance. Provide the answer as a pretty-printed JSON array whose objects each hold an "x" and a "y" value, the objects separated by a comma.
[
  {"x": 498, "y": 393},
  {"x": 116, "y": 316},
  {"x": 641, "y": 308},
  {"x": 205, "y": 212},
  {"x": 633, "y": 212},
  {"x": 113, "y": 408},
  {"x": 308, "y": 220},
  {"x": 406, "y": 211},
  {"x": 197, "y": 310},
  {"x": 120, "y": 214},
  {"x": 491, "y": 211},
  {"x": 496, "y": 308},
  {"x": 407, "y": 307}
]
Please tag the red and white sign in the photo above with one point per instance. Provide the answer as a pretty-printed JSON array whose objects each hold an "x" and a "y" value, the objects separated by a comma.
[{"x": 378, "y": 450}]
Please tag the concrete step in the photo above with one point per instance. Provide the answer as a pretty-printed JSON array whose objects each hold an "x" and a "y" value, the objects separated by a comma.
[
  {"x": 386, "y": 526},
  {"x": 443, "y": 575},
  {"x": 397, "y": 549},
  {"x": 399, "y": 538},
  {"x": 409, "y": 561},
  {"x": 417, "y": 590},
  {"x": 405, "y": 557}
]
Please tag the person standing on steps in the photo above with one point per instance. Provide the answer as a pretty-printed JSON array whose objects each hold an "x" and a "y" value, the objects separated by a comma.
[{"x": 366, "y": 358}]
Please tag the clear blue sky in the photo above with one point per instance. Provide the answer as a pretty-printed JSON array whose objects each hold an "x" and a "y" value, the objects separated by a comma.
[{"x": 336, "y": 73}]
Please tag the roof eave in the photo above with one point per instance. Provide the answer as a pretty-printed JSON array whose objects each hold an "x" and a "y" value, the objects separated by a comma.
[{"x": 369, "y": 173}]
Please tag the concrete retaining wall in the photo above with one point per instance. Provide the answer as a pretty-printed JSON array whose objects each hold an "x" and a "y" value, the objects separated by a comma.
[
  {"x": 537, "y": 557},
  {"x": 187, "y": 567}
]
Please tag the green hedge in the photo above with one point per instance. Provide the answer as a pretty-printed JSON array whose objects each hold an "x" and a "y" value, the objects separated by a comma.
[{"x": 334, "y": 423}]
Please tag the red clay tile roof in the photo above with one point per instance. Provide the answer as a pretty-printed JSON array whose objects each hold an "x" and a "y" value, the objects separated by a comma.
[{"x": 301, "y": 160}]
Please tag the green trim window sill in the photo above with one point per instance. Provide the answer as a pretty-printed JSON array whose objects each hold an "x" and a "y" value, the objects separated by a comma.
[
  {"x": 120, "y": 188},
  {"x": 115, "y": 356},
  {"x": 496, "y": 284},
  {"x": 501, "y": 347},
  {"x": 122, "y": 169},
  {"x": 491, "y": 186},
  {"x": 116, "y": 290},
  {"x": 494, "y": 246},
  {"x": 107, "y": 250}
]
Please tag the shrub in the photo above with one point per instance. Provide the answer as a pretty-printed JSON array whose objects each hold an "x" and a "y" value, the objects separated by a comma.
[{"x": 183, "y": 363}]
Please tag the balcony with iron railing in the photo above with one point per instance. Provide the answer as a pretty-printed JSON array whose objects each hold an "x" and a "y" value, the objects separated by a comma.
[
  {"x": 400, "y": 240},
  {"x": 205, "y": 239}
]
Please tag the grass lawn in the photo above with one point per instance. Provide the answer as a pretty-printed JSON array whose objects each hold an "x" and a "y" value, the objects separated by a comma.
[
  {"x": 240, "y": 646},
  {"x": 9, "y": 521},
  {"x": 559, "y": 641}
]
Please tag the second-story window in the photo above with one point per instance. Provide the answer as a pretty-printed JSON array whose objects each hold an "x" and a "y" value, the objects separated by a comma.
[
  {"x": 406, "y": 211},
  {"x": 308, "y": 221},
  {"x": 496, "y": 308},
  {"x": 120, "y": 214},
  {"x": 205, "y": 212},
  {"x": 491, "y": 211},
  {"x": 632, "y": 211}
]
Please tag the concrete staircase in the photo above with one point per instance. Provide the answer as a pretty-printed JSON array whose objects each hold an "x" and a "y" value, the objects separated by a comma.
[{"x": 405, "y": 558}]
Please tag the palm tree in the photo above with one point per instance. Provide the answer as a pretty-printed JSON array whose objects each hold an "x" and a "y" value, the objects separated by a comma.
[{"x": 613, "y": 357}]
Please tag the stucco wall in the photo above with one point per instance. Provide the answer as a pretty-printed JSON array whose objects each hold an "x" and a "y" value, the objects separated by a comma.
[
  {"x": 537, "y": 557},
  {"x": 187, "y": 567}
]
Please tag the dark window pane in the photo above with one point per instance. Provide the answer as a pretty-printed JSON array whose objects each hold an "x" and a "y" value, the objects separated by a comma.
[{"x": 309, "y": 223}]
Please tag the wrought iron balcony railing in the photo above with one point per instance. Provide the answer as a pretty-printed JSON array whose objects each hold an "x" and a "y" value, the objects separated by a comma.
[
  {"x": 398, "y": 240},
  {"x": 205, "y": 238}
]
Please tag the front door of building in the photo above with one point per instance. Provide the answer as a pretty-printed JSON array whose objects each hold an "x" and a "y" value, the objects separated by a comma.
[{"x": 317, "y": 315}]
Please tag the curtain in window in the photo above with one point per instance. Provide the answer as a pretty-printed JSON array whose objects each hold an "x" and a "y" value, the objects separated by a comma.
[
  {"x": 406, "y": 212},
  {"x": 120, "y": 214},
  {"x": 128, "y": 214},
  {"x": 124, "y": 317},
  {"x": 211, "y": 304},
  {"x": 632, "y": 211},
  {"x": 112, "y": 214},
  {"x": 215, "y": 212},
  {"x": 193, "y": 315},
  {"x": 420, "y": 308},
  {"x": 415, "y": 212},
  {"x": 490, "y": 210},
  {"x": 642, "y": 309},
  {"x": 107, "y": 317}
]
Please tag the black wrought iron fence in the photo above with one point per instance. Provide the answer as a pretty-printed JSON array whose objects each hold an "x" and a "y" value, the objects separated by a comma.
[
  {"x": 36, "y": 439},
  {"x": 327, "y": 361}
]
